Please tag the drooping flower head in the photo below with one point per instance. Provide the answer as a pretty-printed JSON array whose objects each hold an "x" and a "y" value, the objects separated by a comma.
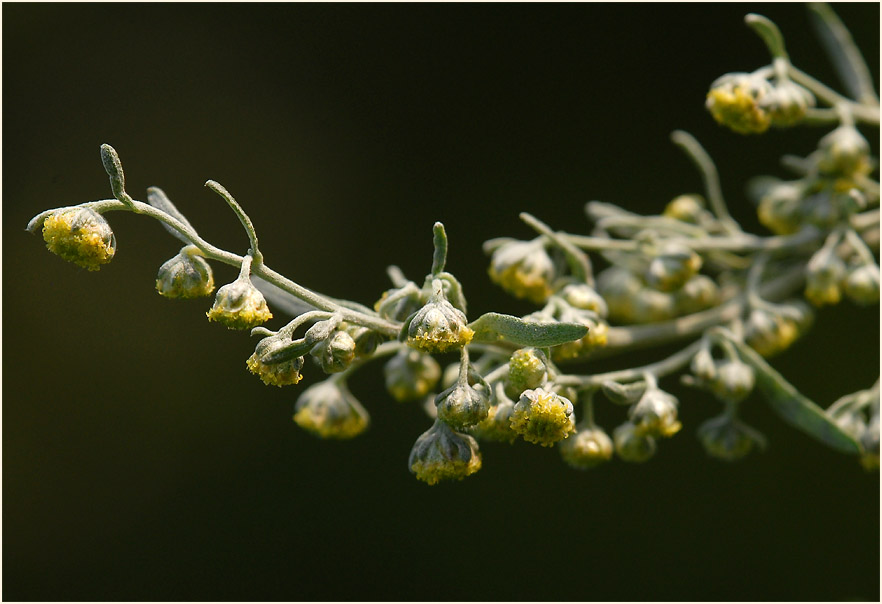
[
  {"x": 239, "y": 305},
  {"x": 187, "y": 275},
  {"x": 329, "y": 410},
  {"x": 80, "y": 235},
  {"x": 438, "y": 326},
  {"x": 524, "y": 269},
  {"x": 587, "y": 448},
  {"x": 543, "y": 417},
  {"x": 271, "y": 364},
  {"x": 442, "y": 454}
]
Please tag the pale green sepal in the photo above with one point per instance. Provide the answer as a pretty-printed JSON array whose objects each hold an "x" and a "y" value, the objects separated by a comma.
[
  {"x": 793, "y": 407},
  {"x": 493, "y": 327}
]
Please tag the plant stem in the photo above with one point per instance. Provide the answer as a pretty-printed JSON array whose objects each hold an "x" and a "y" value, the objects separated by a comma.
[
  {"x": 709, "y": 175},
  {"x": 261, "y": 270},
  {"x": 658, "y": 369},
  {"x": 243, "y": 217},
  {"x": 868, "y": 114}
]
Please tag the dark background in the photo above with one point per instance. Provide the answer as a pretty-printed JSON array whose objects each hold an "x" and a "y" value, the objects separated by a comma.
[{"x": 143, "y": 462}]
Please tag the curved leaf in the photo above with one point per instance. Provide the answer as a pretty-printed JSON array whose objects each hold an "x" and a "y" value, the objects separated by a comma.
[
  {"x": 795, "y": 408},
  {"x": 493, "y": 327}
]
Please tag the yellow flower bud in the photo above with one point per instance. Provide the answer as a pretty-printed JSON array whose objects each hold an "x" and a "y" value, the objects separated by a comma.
[
  {"x": 442, "y": 454},
  {"x": 279, "y": 373},
  {"x": 737, "y": 101},
  {"x": 80, "y": 235},
  {"x": 524, "y": 269},
  {"x": 438, "y": 326},
  {"x": 187, "y": 275},
  {"x": 587, "y": 448},
  {"x": 410, "y": 375},
  {"x": 526, "y": 369},
  {"x": 655, "y": 414},
  {"x": 543, "y": 417},
  {"x": 239, "y": 305},
  {"x": 462, "y": 405},
  {"x": 329, "y": 410},
  {"x": 633, "y": 445}
]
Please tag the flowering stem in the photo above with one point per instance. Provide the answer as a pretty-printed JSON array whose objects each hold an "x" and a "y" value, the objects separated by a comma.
[
  {"x": 579, "y": 263},
  {"x": 709, "y": 175},
  {"x": 211, "y": 252},
  {"x": 868, "y": 114},
  {"x": 243, "y": 217},
  {"x": 383, "y": 350},
  {"x": 654, "y": 370},
  {"x": 742, "y": 242},
  {"x": 621, "y": 339}
]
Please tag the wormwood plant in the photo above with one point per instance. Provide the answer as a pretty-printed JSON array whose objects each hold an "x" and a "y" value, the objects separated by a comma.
[{"x": 690, "y": 274}]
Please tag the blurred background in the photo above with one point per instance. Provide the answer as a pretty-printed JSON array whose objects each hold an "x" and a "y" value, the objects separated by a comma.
[{"x": 143, "y": 462}]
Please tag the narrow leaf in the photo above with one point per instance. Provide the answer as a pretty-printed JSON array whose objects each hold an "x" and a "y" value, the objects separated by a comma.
[
  {"x": 493, "y": 327},
  {"x": 159, "y": 200},
  {"x": 793, "y": 407}
]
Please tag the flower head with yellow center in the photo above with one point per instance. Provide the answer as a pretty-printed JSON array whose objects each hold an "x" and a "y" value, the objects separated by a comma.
[
  {"x": 240, "y": 305},
  {"x": 738, "y": 100},
  {"x": 543, "y": 417},
  {"x": 80, "y": 235}
]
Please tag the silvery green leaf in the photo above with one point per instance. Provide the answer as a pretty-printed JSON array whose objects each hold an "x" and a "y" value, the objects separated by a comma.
[
  {"x": 793, "y": 407},
  {"x": 159, "y": 200},
  {"x": 494, "y": 327}
]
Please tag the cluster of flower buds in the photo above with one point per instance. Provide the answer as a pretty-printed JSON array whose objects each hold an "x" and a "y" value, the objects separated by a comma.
[
  {"x": 835, "y": 186},
  {"x": 652, "y": 415},
  {"x": 660, "y": 284},
  {"x": 80, "y": 235},
  {"x": 442, "y": 454},
  {"x": 748, "y": 103},
  {"x": 329, "y": 410},
  {"x": 524, "y": 269}
]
